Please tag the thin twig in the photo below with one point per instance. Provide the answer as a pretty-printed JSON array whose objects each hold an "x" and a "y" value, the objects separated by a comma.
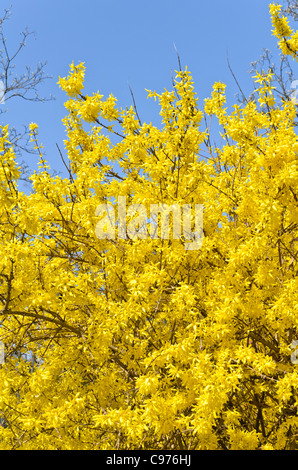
[
  {"x": 235, "y": 79},
  {"x": 134, "y": 104}
]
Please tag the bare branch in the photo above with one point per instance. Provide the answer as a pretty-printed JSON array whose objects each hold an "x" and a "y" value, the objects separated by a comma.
[
  {"x": 22, "y": 85},
  {"x": 237, "y": 83}
]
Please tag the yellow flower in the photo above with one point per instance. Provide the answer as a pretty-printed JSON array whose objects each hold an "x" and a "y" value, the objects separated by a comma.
[
  {"x": 74, "y": 83},
  {"x": 33, "y": 127}
]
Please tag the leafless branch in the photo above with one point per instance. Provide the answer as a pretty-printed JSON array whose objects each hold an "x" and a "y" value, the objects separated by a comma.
[{"x": 22, "y": 85}]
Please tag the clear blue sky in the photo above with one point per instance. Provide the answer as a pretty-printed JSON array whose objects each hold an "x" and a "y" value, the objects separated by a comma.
[{"x": 132, "y": 41}]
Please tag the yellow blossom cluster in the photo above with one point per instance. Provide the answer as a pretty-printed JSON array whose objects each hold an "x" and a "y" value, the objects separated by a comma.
[
  {"x": 135, "y": 342},
  {"x": 288, "y": 38}
]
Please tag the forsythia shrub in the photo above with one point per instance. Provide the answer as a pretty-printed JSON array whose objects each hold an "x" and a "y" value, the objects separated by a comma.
[{"x": 139, "y": 343}]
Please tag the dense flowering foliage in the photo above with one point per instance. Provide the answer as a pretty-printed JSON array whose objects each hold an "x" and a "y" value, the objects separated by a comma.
[
  {"x": 288, "y": 38},
  {"x": 137, "y": 343}
]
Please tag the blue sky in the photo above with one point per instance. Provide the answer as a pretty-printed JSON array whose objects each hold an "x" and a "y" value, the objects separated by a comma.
[{"x": 133, "y": 42}]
